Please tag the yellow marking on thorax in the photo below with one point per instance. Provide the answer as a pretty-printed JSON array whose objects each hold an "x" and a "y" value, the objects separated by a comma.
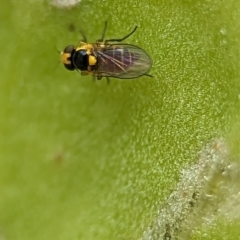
[
  {"x": 85, "y": 46},
  {"x": 92, "y": 60}
]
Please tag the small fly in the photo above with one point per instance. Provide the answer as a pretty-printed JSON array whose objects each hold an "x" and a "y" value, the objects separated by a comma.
[{"x": 109, "y": 58}]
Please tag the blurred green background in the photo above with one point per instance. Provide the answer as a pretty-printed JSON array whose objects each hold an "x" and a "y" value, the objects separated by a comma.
[{"x": 87, "y": 160}]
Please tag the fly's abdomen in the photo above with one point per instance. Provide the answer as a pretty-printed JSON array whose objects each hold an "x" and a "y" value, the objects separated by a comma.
[
  {"x": 116, "y": 60},
  {"x": 123, "y": 61}
]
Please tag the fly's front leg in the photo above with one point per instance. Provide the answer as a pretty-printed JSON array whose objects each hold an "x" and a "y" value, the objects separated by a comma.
[{"x": 84, "y": 39}]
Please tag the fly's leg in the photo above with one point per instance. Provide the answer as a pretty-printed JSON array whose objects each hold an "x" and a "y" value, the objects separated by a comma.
[
  {"x": 103, "y": 33},
  {"x": 113, "y": 40},
  {"x": 84, "y": 73},
  {"x": 148, "y": 75},
  {"x": 121, "y": 39},
  {"x": 84, "y": 39},
  {"x": 99, "y": 77}
]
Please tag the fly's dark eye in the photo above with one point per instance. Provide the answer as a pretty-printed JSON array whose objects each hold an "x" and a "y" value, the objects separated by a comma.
[
  {"x": 66, "y": 56},
  {"x": 80, "y": 59},
  {"x": 68, "y": 49},
  {"x": 69, "y": 67}
]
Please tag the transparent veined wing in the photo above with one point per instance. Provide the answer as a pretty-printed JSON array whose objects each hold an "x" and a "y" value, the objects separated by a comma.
[{"x": 122, "y": 61}]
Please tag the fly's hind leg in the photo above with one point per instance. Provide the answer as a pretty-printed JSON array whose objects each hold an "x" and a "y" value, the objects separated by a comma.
[
  {"x": 121, "y": 39},
  {"x": 148, "y": 75}
]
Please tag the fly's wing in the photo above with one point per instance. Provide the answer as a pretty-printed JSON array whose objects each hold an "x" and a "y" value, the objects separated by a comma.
[{"x": 122, "y": 61}]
